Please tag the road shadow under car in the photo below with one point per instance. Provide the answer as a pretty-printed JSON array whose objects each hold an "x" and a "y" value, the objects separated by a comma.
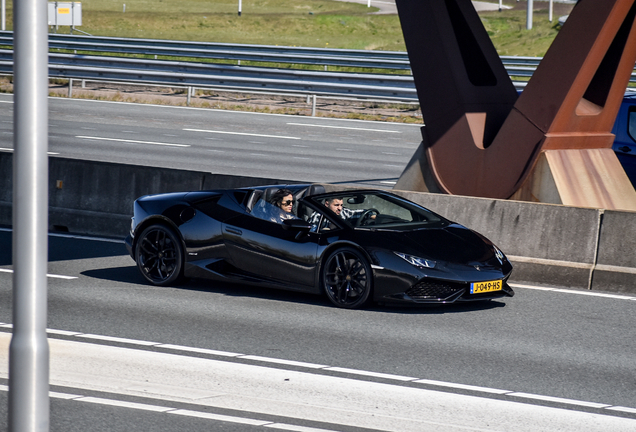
[{"x": 131, "y": 275}]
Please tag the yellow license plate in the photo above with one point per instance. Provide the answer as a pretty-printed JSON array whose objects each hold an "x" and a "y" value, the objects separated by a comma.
[{"x": 483, "y": 287}]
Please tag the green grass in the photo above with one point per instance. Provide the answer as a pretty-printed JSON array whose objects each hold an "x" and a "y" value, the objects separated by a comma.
[{"x": 310, "y": 23}]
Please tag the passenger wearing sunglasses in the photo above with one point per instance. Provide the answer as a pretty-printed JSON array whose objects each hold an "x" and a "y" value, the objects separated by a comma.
[{"x": 283, "y": 202}]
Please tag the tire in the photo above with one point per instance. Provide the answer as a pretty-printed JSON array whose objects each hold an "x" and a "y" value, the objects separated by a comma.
[
  {"x": 347, "y": 278},
  {"x": 159, "y": 255}
]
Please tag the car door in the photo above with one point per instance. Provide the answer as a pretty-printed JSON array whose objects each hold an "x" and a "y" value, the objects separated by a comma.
[{"x": 264, "y": 249}]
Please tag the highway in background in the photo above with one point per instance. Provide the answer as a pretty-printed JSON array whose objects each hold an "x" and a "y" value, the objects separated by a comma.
[
  {"x": 542, "y": 360},
  {"x": 225, "y": 142}
]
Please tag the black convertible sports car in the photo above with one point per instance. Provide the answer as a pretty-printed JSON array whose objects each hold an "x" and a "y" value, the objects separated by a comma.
[{"x": 380, "y": 247}]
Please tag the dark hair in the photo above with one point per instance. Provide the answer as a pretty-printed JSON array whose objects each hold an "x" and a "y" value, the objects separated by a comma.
[{"x": 277, "y": 197}]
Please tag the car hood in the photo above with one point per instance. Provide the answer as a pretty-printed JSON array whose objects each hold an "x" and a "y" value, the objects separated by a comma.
[{"x": 452, "y": 244}]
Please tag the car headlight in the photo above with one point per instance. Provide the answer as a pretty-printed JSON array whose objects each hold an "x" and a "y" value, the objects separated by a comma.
[
  {"x": 499, "y": 254},
  {"x": 416, "y": 261}
]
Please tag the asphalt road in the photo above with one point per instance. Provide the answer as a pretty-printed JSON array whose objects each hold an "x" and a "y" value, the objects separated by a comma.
[
  {"x": 543, "y": 360},
  {"x": 282, "y": 147}
]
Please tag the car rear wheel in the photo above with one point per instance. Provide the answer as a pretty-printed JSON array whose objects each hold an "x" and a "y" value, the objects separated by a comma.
[
  {"x": 347, "y": 278},
  {"x": 159, "y": 255}
]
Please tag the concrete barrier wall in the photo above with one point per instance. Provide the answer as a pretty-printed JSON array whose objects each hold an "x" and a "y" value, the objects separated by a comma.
[
  {"x": 97, "y": 197},
  {"x": 548, "y": 244}
]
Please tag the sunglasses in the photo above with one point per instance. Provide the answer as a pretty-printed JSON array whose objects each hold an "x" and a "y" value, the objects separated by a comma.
[{"x": 288, "y": 202}]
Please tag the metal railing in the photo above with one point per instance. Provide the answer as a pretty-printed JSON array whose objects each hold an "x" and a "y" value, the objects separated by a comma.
[{"x": 397, "y": 86}]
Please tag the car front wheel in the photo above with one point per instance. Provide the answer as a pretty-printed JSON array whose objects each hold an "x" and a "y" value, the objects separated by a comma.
[
  {"x": 159, "y": 255},
  {"x": 347, "y": 278}
]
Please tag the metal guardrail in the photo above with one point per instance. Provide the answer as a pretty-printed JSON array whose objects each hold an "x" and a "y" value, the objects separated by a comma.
[
  {"x": 368, "y": 59},
  {"x": 386, "y": 86},
  {"x": 389, "y": 87}
]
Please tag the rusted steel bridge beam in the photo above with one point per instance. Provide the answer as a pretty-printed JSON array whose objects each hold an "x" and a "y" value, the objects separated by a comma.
[{"x": 480, "y": 139}]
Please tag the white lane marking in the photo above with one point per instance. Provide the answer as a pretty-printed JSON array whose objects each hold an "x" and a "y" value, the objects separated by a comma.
[
  {"x": 463, "y": 386},
  {"x": 187, "y": 413},
  {"x": 11, "y": 150},
  {"x": 370, "y": 374},
  {"x": 53, "y": 276},
  {"x": 559, "y": 400},
  {"x": 242, "y": 133},
  {"x": 571, "y": 291},
  {"x": 66, "y": 396},
  {"x": 285, "y": 362},
  {"x": 435, "y": 383},
  {"x": 344, "y": 127},
  {"x": 344, "y": 150},
  {"x": 388, "y": 182},
  {"x": 127, "y": 141},
  {"x": 124, "y": 404},
  {"x": 295, "y": 428},
  {"x": 9, "y": 102},
  {"x": 117, "y": 339},
  {"x": 622, "y": 409},
  {"x": 199, "y": 350},
  {"x": 220, "y": 417}
]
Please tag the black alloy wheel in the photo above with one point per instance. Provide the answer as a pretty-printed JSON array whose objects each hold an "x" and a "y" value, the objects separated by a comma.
[
  {"x": 347, "y": 278},
  {"x": 159, "y": 255}
]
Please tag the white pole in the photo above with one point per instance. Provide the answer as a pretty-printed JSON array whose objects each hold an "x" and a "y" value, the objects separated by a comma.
[
  {"x": 529, "y": 17},
  {"x": 369, "y": 3},
  {"x": 4, "y": 15},
  {"x": 239, "y": 11},
  {"x": 500, "y": 5},
  {"x": 550, "y": 11},
  {"x": 29, "y": 347}
]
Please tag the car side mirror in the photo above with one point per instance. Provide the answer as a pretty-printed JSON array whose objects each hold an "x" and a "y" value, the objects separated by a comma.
[{"x": 296, "y": 225}]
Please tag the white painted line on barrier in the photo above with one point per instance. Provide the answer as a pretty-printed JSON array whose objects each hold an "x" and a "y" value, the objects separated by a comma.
[
  {"x": 571, "y": 291},
  {"x": 127, "y": 141},
  {"x": 53, "y": 276},
  {"x": 242, "y": 133},
  {"x": 344, "y": 127},
  {"x": 545, "y": 261}
]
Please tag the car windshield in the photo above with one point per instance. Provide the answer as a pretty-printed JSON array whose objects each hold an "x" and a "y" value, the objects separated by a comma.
[{"x": 377, "y": 210}]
